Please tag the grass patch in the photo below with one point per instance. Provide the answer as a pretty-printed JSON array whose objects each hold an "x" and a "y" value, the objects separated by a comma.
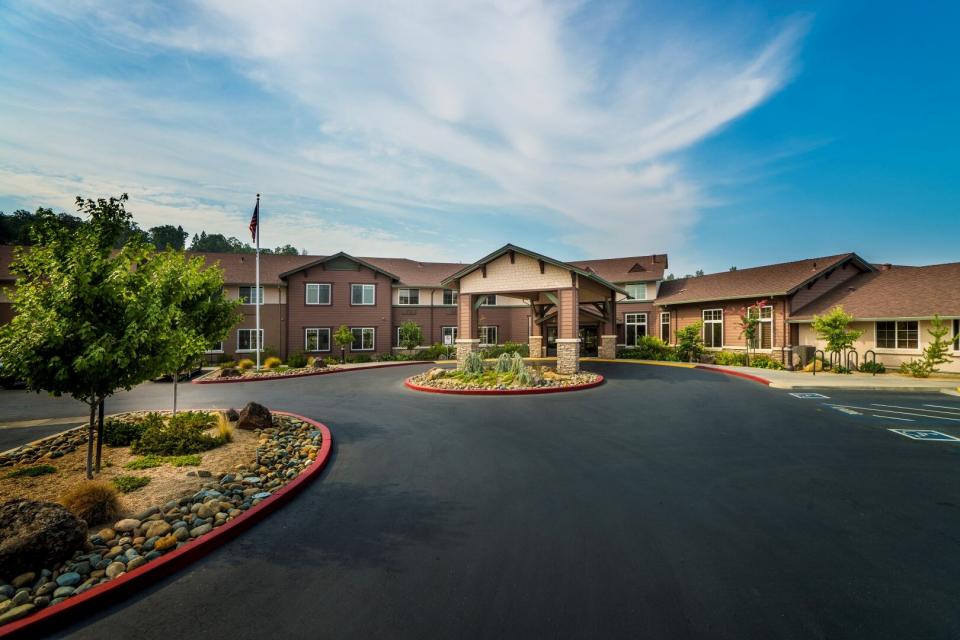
[
  {"x": 145, "y": 462},
  {"x": 32, "y": 472},
  {"x": 151, "y": 461},
  {"x": 192, "y": 460},
  {"x": 126, "y": 484}
]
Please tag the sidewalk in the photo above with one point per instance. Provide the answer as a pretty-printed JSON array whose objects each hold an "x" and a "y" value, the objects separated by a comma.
[{"x": 853, "y": 381}]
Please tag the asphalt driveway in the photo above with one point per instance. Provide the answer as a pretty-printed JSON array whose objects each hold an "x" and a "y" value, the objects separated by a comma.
[{"x": 668, "y": 503}]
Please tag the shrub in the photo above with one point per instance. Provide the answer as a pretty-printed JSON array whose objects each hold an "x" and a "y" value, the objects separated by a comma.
[
  {"x": 524, "y": 377},
  {"x": 126, "y": 484},
  {"x": 516, "y": 363},
  {"x": 245, "y": 364},
  {"x": 191, "y": 460},
  {"x": 507, "y": 347},
  {"x": 730, "y": 358},
  {"x": 331, "y": 360},
  {"x": 390, "y": 357},
  {"x": 935, "y": 353},
  {"x": 182, "y": 434},
  {"x": 873, "y": 367},
  {"x": 144, "y": 462},
  {"x": 297, "y": 360},
  {"x": 473, "y": 363},
  {"x": 690, "y": 342},
  {"x": 151, "y": 462},
  {"x": 649, "y": 348},
  {"x": 93, "y": 501},
  {"x": 32, "y": 472},
  {"x": 764, "y": 361},
  {"x": 504, "y": 363},
  {"x": 410, "y": 335},
  {"x": 272, "y": 362},
  {"x": 122, "y": 433},
  {"x": 227, "y": 364},
  {"x": 361, "y": 357},
  {"x": 224, "y": 428},
  {"x": 437, "y": 351}
]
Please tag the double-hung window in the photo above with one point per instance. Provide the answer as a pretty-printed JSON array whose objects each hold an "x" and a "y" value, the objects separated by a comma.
[
  {"x": 665, "y": 326},
  {"x": 635, "y": 327},
  {"x": 363, "y": 294},
  {"x": 247, "y": 340},
  {"x": 363, "y": 338},
  {"x": 449, "y": 296},
  {"x": 317, "y": 293},
  {"x": 448, "y": 335},
  {"x": 636, "y": 291},
  {"x": 713, "y": 328},
  {"x": 898, "y": 334},
  {"x": 249, "y": 295},
  {"x": 763, "y": 339},
  {"x": 488, "y": 301},
  {"x": 408, "y": 296},
  {"x": 488, "y": 334},
  {"x": 316, "y": 339}
]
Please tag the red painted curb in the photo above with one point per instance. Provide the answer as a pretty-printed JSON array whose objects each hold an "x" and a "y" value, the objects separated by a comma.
[
  {"x": 505, "y": 392},
  {"x": 738, "y": 374},
  {"x": 126, "y": 585},
  {"x": 304, "y": 375}
]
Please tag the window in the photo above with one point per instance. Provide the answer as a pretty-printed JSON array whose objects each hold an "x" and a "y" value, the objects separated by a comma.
[
  {"x": 247, "y": 340},
  {"x": 636, "y": 291},
  {"x": 899, "y": 334},
  {"x": 488, "y": 335},
  {"x": 316, "y": 339},
  {"x": 448, "y": 335},
  {"x": 318, "y": 293},
  {"x": 363, "y": 338},
  {"x": 248, "y": 295},
  {"x": 362, "y": 294},
  {"x": 449, "y": 296},
  {"x": 488, "y": 301},
  {"x": 764, "y": 337},
  {"x": 956, "y": 335},
  {"x": 409, "y": 296},
  {"x": 713, "y": 328},
  {"x": 665, "y": 326},
  {"x": 216, "y": 347},
  {"x": 635, "y": 326}
]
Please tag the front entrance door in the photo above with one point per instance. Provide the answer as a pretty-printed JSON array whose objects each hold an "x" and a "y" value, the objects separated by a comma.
[
  {"x": 589, "y": 341},
  {"x": 550, "y": 338}
]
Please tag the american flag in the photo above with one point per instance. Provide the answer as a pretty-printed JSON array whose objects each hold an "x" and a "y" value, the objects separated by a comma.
[{"x": 255, "y": 220}]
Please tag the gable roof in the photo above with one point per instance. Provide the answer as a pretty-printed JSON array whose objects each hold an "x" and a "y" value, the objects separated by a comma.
[
  {"x": 894, "y": 292},
  {"x": 756, "y": 282},
  {"x": 340, "y": 254},
  {"x": 629, "y": 269},
  {"x": 536, "y": 256}
]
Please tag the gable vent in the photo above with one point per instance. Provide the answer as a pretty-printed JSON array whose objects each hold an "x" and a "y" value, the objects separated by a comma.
[{"x": 636, "y": 267}]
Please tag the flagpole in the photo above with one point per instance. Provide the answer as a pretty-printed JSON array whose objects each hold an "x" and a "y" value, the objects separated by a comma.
[{"x": 259, "y": 300}]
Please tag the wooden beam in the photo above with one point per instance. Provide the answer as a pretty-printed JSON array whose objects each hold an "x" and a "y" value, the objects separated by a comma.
[
  {"x": 483, "y": 270},
  {"x": 513, "y": 256},
  {"x": 478, "y": 302},
  {"x": 552, "y": 297},
  {"x": 542, "y": 266}
]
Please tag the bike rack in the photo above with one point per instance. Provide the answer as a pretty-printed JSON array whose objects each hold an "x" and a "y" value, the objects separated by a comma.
[
  {"x": 823, "y": 359},
  {"x": 835, "y": 354},
  {"x": 856, "y": 360},
  {"x": 873, "y": 360}
]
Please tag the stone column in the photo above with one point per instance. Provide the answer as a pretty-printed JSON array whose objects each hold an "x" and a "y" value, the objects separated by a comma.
[
  {"x": 568, "y": 355},
  {"x": 466, "y": 346},
  {"x": 608, "y": 347},
  {"x": 536, "y": 346}
]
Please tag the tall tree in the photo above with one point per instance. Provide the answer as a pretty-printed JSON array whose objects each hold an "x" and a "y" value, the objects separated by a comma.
[
  {"x": 168, "y": 236},
  {"x": 834, "y": 329}
]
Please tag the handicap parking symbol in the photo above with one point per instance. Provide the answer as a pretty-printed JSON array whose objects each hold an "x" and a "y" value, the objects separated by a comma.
[
  {"x": 923, "y": 434},
  {"x": 810, "y": 396}
]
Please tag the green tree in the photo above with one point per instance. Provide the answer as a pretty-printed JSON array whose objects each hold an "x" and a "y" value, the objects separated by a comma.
[
  {"x": 750, "y": 324},
  {"x": 288, "y": 250},
  {"x": 168, "y": 236},
  {"x": 935, "y": 353},
  {"x": 88, "y": 320},
  {"x": 411, "y": 335},
  {"x": 690, "y": 341},
  {"x": 218, "y": 243},
  {"x": 344, "y": 338},
  {"x": 834, "y": 329}
]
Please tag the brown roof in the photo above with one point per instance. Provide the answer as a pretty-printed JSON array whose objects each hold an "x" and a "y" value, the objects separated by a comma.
[
  {"x": 411, "y": 272},
  {"x": 629, "y": 269},
  {"x": 897, "y": 292},
  {"x": 756, "y": 282},
  {"x": 241, "y": 268}
]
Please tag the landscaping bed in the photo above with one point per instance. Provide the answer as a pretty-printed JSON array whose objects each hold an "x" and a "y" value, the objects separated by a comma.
[
  {"x": 508, "y": 375},
  {"x": 177, "y": 505}
]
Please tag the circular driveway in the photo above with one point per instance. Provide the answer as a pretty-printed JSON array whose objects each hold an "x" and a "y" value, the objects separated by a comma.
[{"x": 667, "y": 503}]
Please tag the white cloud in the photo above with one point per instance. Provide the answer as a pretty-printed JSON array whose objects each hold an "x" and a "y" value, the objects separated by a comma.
[{"x": 425, "y": 111}]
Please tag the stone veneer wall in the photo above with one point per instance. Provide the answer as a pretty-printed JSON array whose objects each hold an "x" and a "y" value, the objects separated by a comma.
[
  {"x": 568, "y": 355},
  {"x": 608, "y": 347},
  {"x": 536, "y": 346},
  {"x": 465, "y": 346}
]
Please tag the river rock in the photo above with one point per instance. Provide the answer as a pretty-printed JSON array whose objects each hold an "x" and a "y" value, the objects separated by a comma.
[
  {"x": 69, "y": 579},
  {"x": 37, "y": 534},
  {"x": 126, "y": 525},
  {"x": 115, "y": 569}
]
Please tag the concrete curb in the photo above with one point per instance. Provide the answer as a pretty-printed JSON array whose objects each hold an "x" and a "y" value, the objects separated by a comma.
[
  {"x": 128, "y": 584},
  {"x": 505, "y": 392},
  {"x": 738, "y": 374},
  {"x": 305, "y": 375}
]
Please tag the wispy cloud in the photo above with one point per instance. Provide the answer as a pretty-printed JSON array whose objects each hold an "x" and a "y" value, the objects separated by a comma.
[{"x": 559, "y": 120}]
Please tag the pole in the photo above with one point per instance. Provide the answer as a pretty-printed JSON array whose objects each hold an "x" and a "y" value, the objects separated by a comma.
[{"x": 257, "y": 289}]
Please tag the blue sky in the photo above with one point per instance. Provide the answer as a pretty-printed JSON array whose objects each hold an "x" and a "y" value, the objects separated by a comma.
[{"x": 721, "y": 133}]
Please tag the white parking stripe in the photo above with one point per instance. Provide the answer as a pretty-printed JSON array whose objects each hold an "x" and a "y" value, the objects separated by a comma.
[
  {"x": 894, "y": 406},
  {"x": 905, "y": 413},
  {"x": 940, "y": 406},
  {"x": 895, "y": 418}
]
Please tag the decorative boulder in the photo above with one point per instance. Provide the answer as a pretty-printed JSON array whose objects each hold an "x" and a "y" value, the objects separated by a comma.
[
  {"x": 319, "y": 363},
  {"x": 36, "y": 535},
  {"x": 230, "y": 372},
  {"x": 436, "y": 372},
  {"x": 232, "y": 414},
  {"x": 255, "y": 416}
]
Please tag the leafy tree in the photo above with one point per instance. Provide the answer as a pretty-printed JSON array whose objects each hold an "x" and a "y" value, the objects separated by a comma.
[
  {"x": 218, "y": 243},
  {"x": 834, "y": 329},
  {"x": 698, "y": 273},
  {"x": 935, "y": 353},
  {"x": 670, "y": 276},
  {"x": 733, "y": 268},
  {"x": 89, "y": 320},
  {"x": 344, "y": 338},
  {"x": 16, "y": 228},
  {"x": 690, "y": 341},
  {"x": 411, "y": 336},
  {"x": 168, "y": 236},
  {"x": 288, "y": 250},
  {"x": 750, "y": 323}
]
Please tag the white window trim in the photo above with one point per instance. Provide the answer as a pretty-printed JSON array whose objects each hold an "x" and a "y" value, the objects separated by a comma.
[
  {"x": 363, "y": 304},
  {"x": 306, "y": 296},
  {"x": 453, "y": 337},
  {"x": 407, "y": 304},
  {"x": 448, "y": 304},
  {"x": 706, "y": 322},
  {"x": 484, "y": 330},
  {"x": 665, "y": 320},
  {"x": 646, "y": 291},
  {"x": 239, "y": 350},
  {"x": 489, "y": 304},
  {"x": 373, "y": 346},
  {"x": 220, "y": 350},
  {"x": 763, "y": 321},
  {"x": 896, "y": 339},
  {"x": 306, "y": 332},
  {"x": 261, "y": 293},
  {"x": 628, "y": 323}
]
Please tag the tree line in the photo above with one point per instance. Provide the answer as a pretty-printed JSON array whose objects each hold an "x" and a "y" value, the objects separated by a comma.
[{"x": 18, "y": 228}]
